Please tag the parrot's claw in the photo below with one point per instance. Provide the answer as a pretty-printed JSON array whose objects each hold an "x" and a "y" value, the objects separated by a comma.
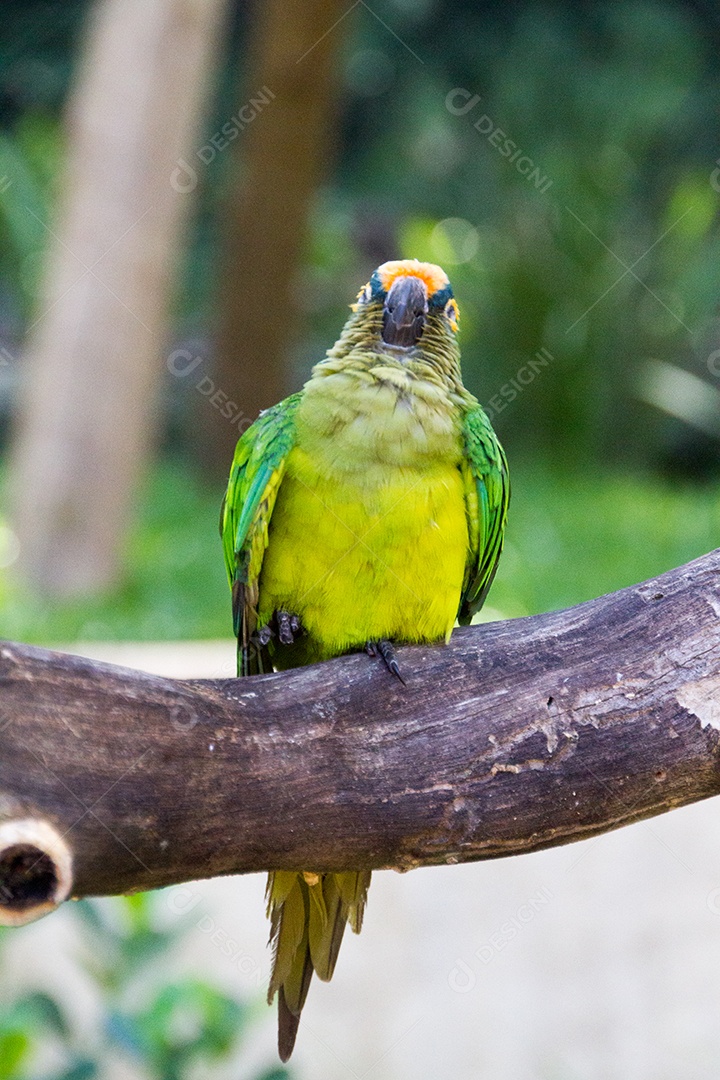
[
  {"x": 288, "y": 625},
  {"x": 386, "y": 649}
]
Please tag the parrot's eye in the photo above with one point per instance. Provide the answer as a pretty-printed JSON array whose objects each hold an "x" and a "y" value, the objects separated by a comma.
[{"x": 452, "y": 314}]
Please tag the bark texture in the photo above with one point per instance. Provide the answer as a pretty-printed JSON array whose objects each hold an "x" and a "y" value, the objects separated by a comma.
[{"x": 519, "y": 735}]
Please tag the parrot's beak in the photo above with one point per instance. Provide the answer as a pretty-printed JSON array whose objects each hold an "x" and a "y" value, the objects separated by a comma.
[{"x": 404, "y": 312}]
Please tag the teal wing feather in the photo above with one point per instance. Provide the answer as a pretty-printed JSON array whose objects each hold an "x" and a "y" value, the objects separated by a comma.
[
  {"x": 487, "y": 494},
  {"x": 255, "y": 477}
]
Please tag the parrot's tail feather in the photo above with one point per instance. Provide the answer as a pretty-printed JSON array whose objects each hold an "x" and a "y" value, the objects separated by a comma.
[
  {"x": 289, "y": 1014},
  {"x": 308, "y": 913},
  {"x": 288, "y": 1024}
]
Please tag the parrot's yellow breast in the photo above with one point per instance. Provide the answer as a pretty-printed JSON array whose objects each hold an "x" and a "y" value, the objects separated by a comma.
[{"x": 368, "y": 539}]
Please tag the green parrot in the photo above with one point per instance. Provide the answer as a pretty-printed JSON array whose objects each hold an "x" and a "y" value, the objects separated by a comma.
[{"x": 364, "y": 511}]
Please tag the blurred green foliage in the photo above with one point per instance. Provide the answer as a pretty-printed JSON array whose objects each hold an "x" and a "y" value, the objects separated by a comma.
[
  {"x": 37, "y": 51},
  {"x": 174, "y": 584},
  {"x": 614, "y": 106},
  {"x": 170, "y": 1030},
  {"x": 24, "y": 1025},
  {"x": 28, "y": 166},
  {"x": 575, "y": 535}
]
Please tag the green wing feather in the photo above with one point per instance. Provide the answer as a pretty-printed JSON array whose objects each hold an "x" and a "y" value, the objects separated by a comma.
[
  {"x": 255, "y": 477},
  {"x": 487, "y": 494}
]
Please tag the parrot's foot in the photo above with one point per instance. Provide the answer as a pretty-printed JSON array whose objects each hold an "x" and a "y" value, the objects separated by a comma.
[
  {"x": 286, "y": 627},
  {"x": 386, "y": 649}
]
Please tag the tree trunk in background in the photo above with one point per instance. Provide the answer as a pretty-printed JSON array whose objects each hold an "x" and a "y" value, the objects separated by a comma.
[
  {"x": 94, "y": 358},
  {"x": 281, "y": 154}
]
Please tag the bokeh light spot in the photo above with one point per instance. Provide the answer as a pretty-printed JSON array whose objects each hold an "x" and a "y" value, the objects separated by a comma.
[{"x": 454, "y": 241}]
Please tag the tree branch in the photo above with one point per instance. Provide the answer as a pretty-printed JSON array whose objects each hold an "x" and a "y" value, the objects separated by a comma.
[{"x": 518, "y": 735}]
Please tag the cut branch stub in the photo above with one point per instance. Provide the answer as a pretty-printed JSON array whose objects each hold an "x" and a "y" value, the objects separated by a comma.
[{"x": 35, "y": 870}]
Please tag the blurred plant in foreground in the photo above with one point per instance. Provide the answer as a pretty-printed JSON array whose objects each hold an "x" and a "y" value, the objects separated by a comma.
[
  {"x": 23, "y": 1026},
  {"x": 168, "y": 1030}
]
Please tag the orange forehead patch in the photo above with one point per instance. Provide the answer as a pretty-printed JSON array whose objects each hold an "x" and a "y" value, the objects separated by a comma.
[{"x": 433, "y": 276}]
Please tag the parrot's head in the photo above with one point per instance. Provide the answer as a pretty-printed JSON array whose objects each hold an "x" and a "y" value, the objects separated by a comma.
[{"x": 404, "y": 301}]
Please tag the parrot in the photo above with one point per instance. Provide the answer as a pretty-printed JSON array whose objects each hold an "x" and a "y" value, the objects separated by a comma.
[{"x": 365, "y": 511}]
